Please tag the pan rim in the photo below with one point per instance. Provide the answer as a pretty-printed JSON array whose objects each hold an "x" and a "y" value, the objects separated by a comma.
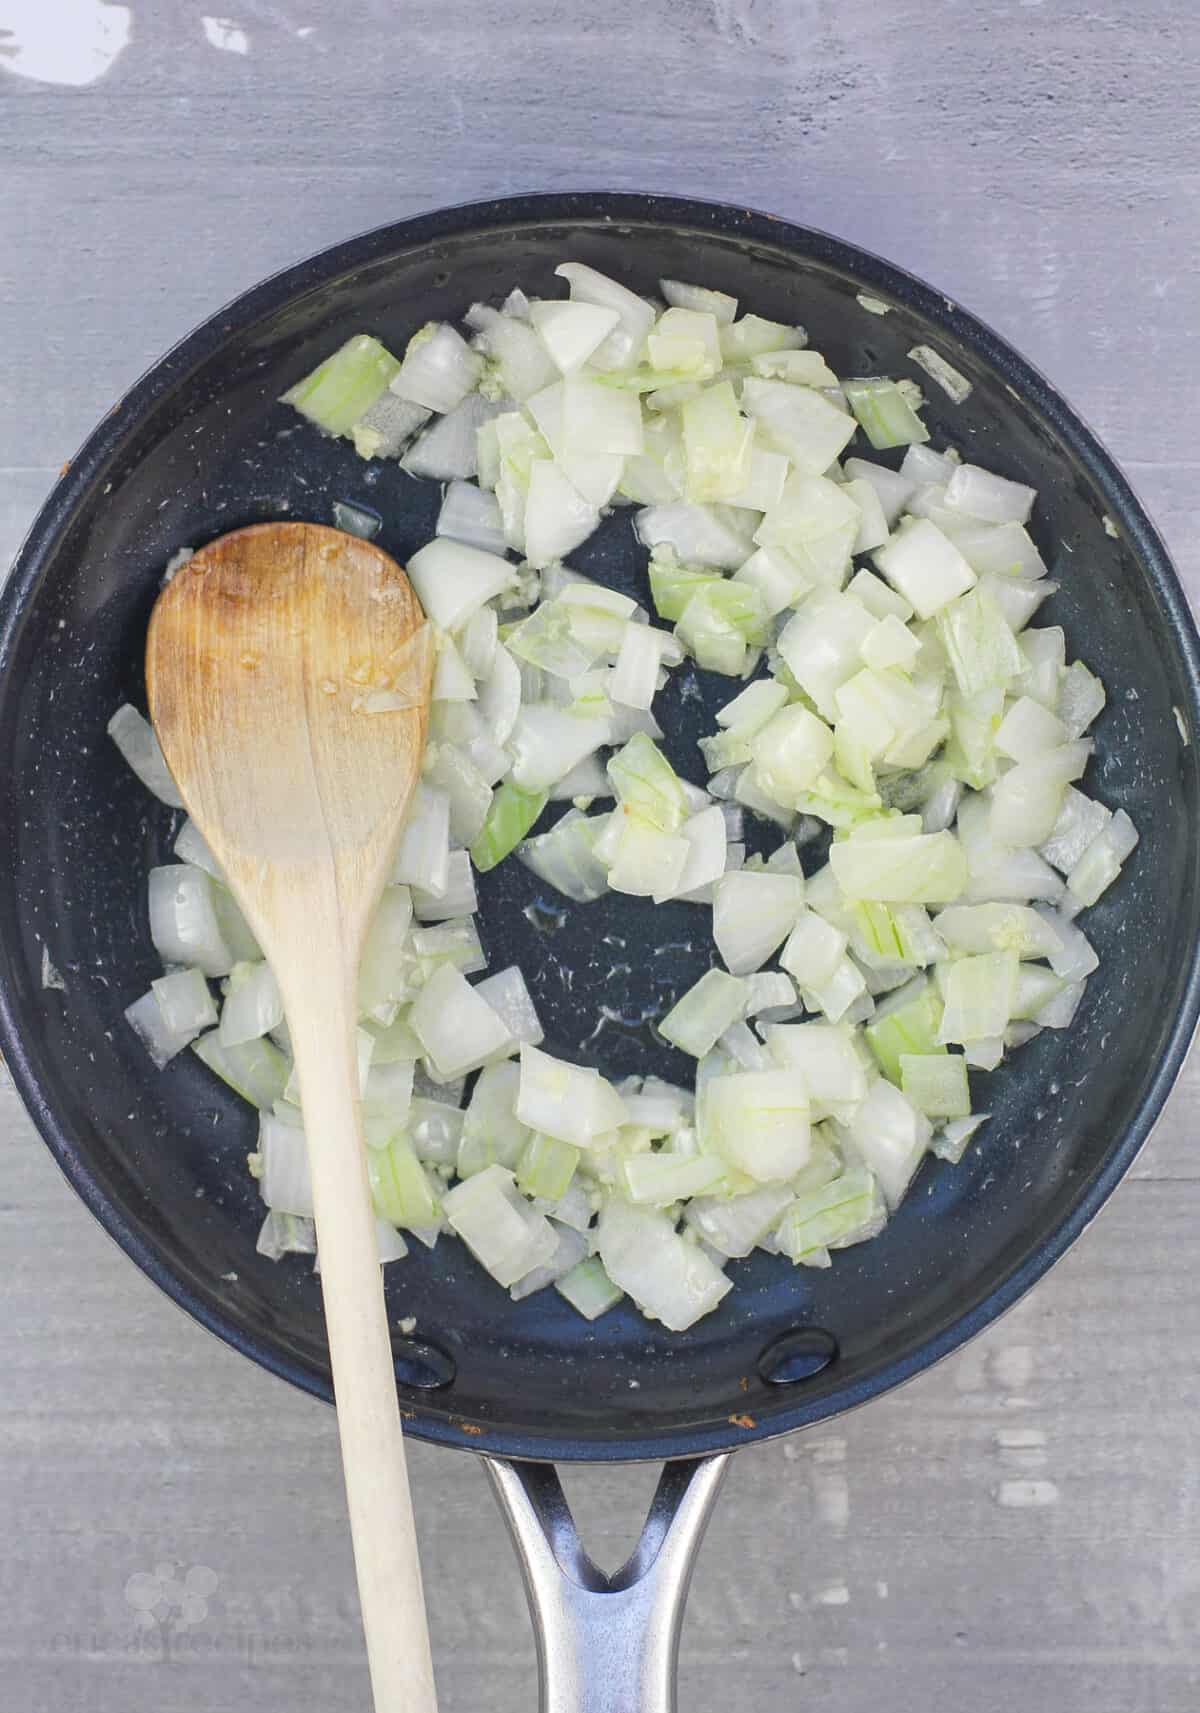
[{"x": 589, "y": 209}]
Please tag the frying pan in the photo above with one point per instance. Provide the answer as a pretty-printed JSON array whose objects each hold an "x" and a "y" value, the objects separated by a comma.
[{"x": 199, "y": 446}]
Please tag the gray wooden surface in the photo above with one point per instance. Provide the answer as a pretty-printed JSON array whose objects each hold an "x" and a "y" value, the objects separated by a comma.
[{"x": 1018, "y": 1527}]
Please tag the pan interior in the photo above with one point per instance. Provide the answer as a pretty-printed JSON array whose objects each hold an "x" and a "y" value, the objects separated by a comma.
[{"x": 205, "y": 449}]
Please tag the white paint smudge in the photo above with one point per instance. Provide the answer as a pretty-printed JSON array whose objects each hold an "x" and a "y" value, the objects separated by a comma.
[
  {"x": 305, "y": 31},
  {"x": 72, "y": 42},
  {"x": 835, "y": 1656},
  {"x": 833, "y": 1594},
  {"x": 1020, "y": 1495},
  {"x": 881, "y": 1588},
  {"x": 224, "y": 34},
  {"x": 1012, "y": 1367},
  {"x": 1021, "y": 1439},
  {"x": 832, "y": 1498},
  {"x": 799, "y": 1664}
]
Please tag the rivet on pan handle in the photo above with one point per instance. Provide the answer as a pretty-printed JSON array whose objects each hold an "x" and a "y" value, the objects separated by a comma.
[{"x": 607, "y": 1644}]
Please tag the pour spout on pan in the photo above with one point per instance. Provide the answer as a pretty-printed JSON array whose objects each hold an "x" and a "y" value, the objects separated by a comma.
[{"x": 607, "y": 1644}]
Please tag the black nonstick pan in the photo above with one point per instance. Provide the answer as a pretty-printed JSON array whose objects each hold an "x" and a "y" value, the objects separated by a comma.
[{"x": 200, "y": 446}]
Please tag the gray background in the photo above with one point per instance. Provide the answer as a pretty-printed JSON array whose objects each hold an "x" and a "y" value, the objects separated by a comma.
[{"x": 1018, "y": 1527}]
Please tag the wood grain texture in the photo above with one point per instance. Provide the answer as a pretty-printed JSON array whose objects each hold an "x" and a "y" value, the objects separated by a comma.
[
  {"x": 288, "y": 671},
  {"x": 1039, "y": 162}
]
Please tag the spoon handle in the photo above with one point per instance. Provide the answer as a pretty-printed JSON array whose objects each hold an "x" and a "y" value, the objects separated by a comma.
[{"x": 318, "y": 992}]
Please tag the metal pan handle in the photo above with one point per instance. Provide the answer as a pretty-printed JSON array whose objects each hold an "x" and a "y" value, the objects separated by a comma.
[{"x": 607, "y": 1644}]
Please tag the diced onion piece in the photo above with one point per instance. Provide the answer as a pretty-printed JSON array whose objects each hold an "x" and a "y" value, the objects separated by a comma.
[
  {"x": 340, "y": 391},
  {"x": 499, "y": 695},
  {"x": 570, "y": 1252},
  {"x": 499, "y": 1227},
  {"x": 718, "y": 304},
  {"x": 400, "y": 1189},
  {"x": 846, "y": 1210},
  {"x": 423, "y": 855},
  {"x": 522, "y": 363},
  {"x": 134, "y": 736},
  {"x": 512, "y": 1002},
  {"x": 257, "y": 1070},
  {"x": 572, "y": 331},
  {"x": 546, "y": 742},
  {"x": 706, "y": 837},
  {"x": 253, "y": 1006},
  {"x": 647, "y": 785},
  {"x": 565, "y": 857},
  {"x": 999, "y": 928},
  {"x": 821, "y": 645},
  {"x": 699, "y": 533},
  {"x": 162, "y": 1036},
  {"x": 1027, "y": 800},
  {"x": 799, "y": 422},
  {"x": 928, "y": 868},
  {"x": 472, "y": 517},
  {"x": 873, "y": 528},
  {"x": 457, "y": 1028},
  {"x": 285, "y": 1183},
  {"x": 759, "y": 1122},
  {"x": 286, "y": 1234},
  {"x": 886, "y": 416},
  {"x": 991, "y": 498},
  {"x": 889, "y": 1136},
  {"x": 979, "y": 642},
  {"x": 1101, "y": 863},
  {"x": 801, "y": 368},
  {"x": 790, "y": 752},
  {"x": 892, "y": 489},
  {"x": 439, "y": 368},
  {"x": 776, "y": 578},
  {"x": 753, "y": 913},
  {"x": 360, "y": 521},
  {"x": 387, "y": 426},
  {"x": 452, "y": 580},
  {"x": 698, "y": 1019},
  {"x": 826, "y": 1057},
  {"x": 936, "y": 1084},
  {"x": 185, "y": 1002},
  {"x": 816, "y": 523},
  {"x": 589, "y": 1290},
  {"x": 743, "y": 340},
  {"x": 1080, "y": 699},
  {"x": 557, "y": 517},
  {"x": 566, "y": 1101},
  {"x": 668, "y": 1278},
  {"x": 622, "y": 347},
  {"x": 925, "y": 566},
  {"x": 658, "y": 1180},
  {"x": 953, "y": 383},
  {"x": 184, "y": 923},
  {"x": 717, "y": 442},
  {"x": 979, "y": 996}
]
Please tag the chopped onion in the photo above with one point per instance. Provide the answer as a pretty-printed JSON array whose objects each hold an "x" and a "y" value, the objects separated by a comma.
[
  {"x": 439, "y": 369},
  {"x": 136, "y": 740},
  {"x": 473, "y": 517}
]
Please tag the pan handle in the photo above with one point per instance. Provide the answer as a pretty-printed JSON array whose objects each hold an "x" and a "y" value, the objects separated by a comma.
[{"x": 606, "y": 1644}]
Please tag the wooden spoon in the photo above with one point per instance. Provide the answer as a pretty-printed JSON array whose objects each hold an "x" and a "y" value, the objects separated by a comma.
[{"x": 288, "y": 667}]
